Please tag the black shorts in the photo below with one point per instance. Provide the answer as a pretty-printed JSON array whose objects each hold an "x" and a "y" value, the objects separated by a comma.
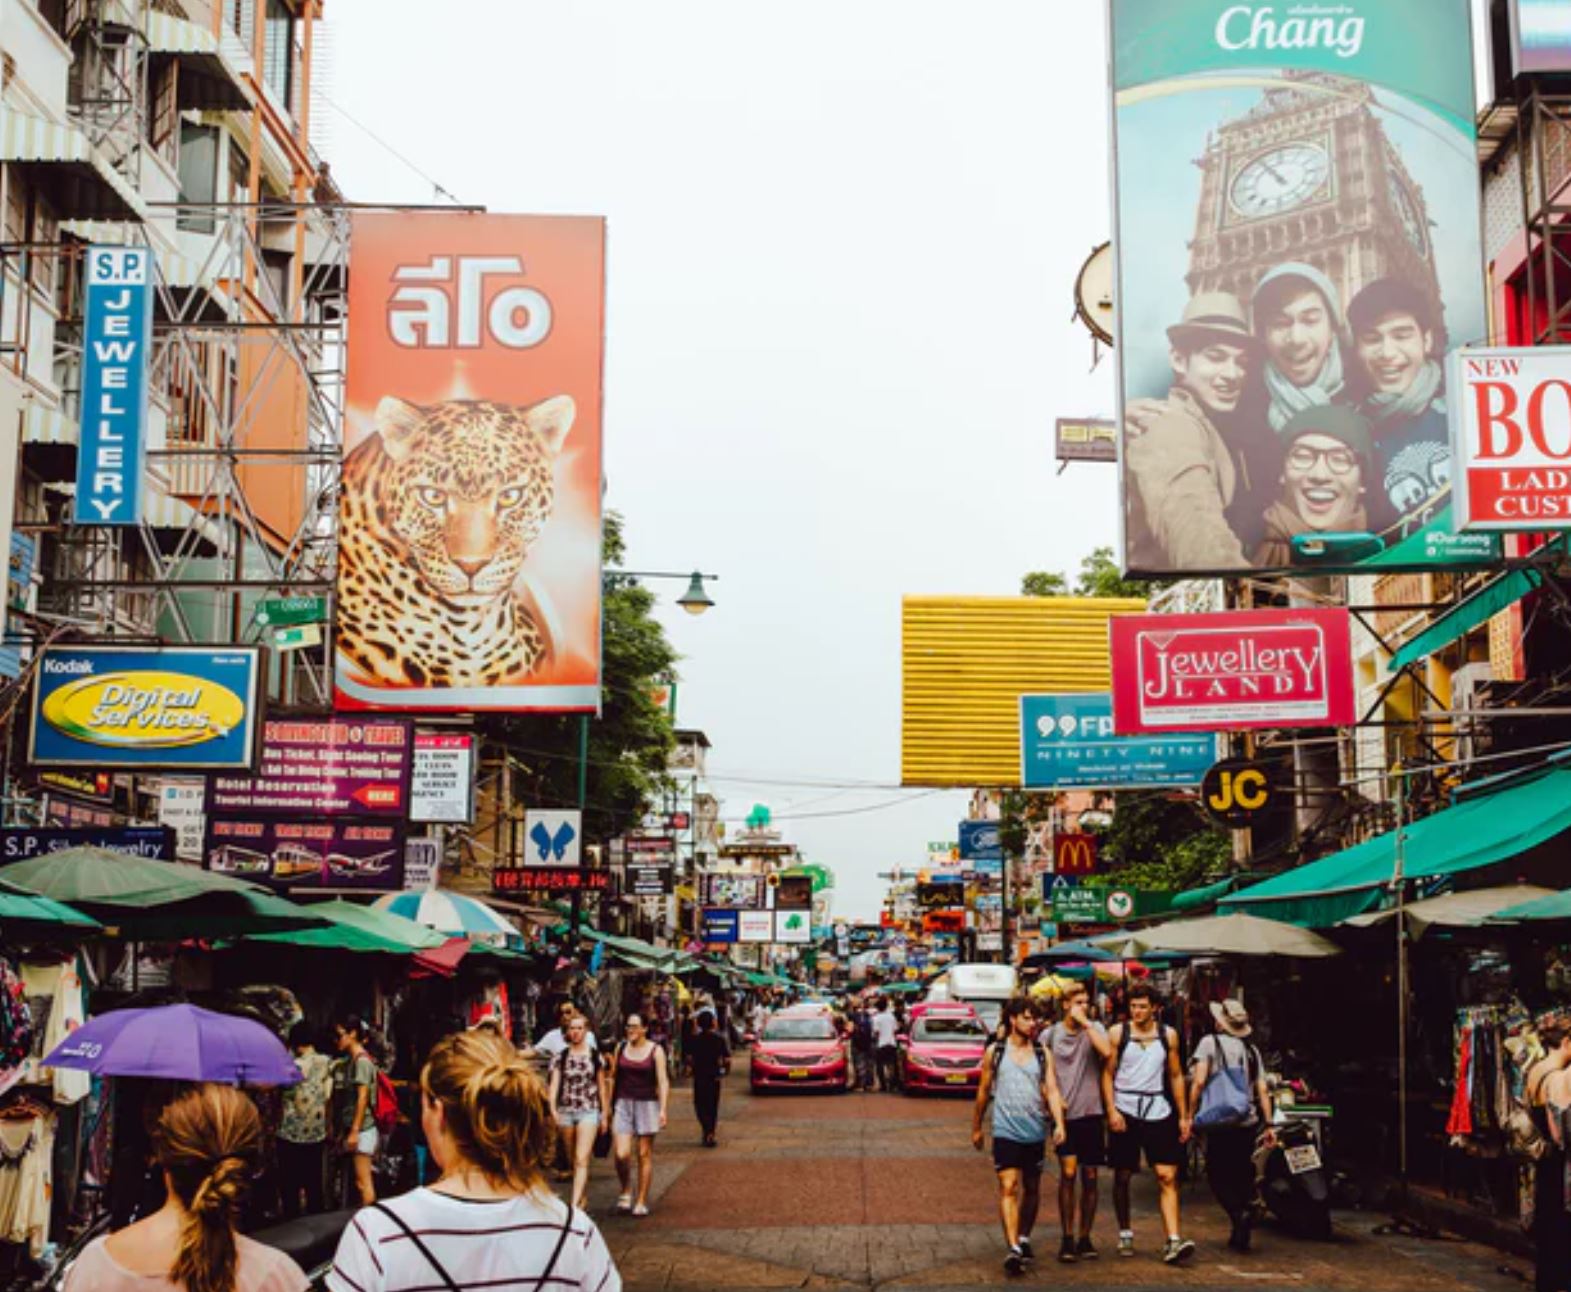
[
  {"x": 1085, "y": 1140},
  {"x": 1015, "y": 1155},
  {"x": 1157, "y": 1140}
]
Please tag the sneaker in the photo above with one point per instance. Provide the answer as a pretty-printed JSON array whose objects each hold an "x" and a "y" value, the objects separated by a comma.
[
  {"x": 624, "y": 1204},
  {"x": 1024, "y": 1247},
  {"x": 1014, "y": 1263},
  {"x": 1177, "y": 1250},
  {"x": 1066, "y": 1251},
  {"x": 1085, "y": 1249},
  {"x": 1126, "y": 1244},
  {"x": 642, "y": 1210}
]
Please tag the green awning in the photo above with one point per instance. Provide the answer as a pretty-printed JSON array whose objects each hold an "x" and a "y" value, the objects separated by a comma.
[
  {"x": 1557, "y": 906},
  {"x": 1475, "y": 832},
  {"x": 1192, "y": 899},
  {"x": 359, "y": 928},
  {"x": 1467, "y": 615},
  {"x": 643, "y": 955}
]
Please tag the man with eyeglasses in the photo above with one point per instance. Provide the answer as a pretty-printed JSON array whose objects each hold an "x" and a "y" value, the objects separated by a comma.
[{"x": 1327, "y": 450}]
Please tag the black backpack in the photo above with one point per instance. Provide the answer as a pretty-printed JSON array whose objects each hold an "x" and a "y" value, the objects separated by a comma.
[{"x": 995, "y": 1056}]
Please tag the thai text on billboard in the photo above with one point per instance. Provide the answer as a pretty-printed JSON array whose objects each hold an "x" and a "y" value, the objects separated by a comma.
[
  {"x": 1298, "y": 242},
  {"x": 469, "y": 525},
  {"x": 1249, "y": 668},
  {"x": 1511, "y": 437}
]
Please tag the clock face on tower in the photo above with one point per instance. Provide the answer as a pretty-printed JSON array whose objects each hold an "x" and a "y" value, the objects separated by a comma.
[
  {"x": 1278, "y": 180},
  {"x": 1407, "y": 212}
]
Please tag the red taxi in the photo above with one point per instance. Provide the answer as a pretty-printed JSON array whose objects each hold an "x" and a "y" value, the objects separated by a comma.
[
  {"x": 944, "y": 1050},
  {"x": 800, "y": 1049}
]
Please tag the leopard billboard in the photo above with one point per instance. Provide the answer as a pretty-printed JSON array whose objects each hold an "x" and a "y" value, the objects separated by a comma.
[{"x": 469, "y": 515}]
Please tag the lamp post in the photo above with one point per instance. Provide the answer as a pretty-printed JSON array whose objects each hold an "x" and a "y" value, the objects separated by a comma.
[{"x": 695, "y": 601}]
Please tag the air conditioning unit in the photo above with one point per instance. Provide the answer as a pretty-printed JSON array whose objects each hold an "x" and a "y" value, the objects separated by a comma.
[{"x": 1469, "y": 690}]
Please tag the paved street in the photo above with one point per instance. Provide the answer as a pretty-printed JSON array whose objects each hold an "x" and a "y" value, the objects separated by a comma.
[{"x": 860, "y": 1191}]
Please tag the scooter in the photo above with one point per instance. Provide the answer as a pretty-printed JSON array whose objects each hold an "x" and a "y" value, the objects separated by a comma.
[{"x": 1291, "y": 1174}]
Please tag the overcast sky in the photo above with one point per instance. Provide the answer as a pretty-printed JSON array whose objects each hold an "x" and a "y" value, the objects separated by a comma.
[{"x": 843, "y": 239}]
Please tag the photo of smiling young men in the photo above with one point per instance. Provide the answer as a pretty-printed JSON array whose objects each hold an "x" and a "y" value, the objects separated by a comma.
[{"x": 1309, "y": 172}]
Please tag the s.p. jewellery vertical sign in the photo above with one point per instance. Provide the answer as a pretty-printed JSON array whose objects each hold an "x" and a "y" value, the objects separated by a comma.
[{"x": 116, "y": 339}]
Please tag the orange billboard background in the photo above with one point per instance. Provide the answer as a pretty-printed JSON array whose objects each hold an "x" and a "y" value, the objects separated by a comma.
[{"x": 450, "y": 317}]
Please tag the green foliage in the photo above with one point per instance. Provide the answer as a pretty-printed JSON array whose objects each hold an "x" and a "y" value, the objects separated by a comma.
[
  {"x": 1163, "y": 843},
  {"x": 1042, "y": 583},
  {"x": 1099, "y": 577}
]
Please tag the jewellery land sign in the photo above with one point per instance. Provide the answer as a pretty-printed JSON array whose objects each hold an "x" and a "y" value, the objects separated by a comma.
[
  {"x": 324, "y": 767},
  {"x": 1511, "y": 437},
  {"x": 116, "y": 341},
  {"x": 145, "y": 708},
  {"x": 475, "y": 339},
  {"x": 1067, "y": 741},
  {"x": 1246, "y": 668},
  {"x": 1283, "y": 312},
  {"x": 442, "y": 784},
  {"x": 341, "y": 853}
]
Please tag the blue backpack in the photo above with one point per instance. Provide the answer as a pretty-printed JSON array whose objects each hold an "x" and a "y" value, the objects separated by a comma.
[{"x": 1226, "y": 1099}]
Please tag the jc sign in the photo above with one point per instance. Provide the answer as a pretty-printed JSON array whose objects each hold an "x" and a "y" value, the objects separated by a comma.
[{"x": 1235, "y": 792}]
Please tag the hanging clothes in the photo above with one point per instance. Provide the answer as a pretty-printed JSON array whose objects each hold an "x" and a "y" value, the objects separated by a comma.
[
  {"x": 1460, "y": 1122},
  {"x": 61, "y": 987},
  {"x": 26, "y": 1179}
]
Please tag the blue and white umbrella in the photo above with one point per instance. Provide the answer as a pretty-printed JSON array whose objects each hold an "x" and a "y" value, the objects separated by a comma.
[{"x": 454, "y": 914}]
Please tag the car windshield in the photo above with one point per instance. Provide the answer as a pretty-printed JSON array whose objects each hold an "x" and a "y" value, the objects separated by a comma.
[
  {"x": 948, "y": 1029},
  {"x": 989, "y": 1011},
  {"x": 799, "y": 1029}
]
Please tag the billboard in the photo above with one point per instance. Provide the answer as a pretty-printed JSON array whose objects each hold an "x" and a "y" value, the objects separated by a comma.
[
  {"x": 1540, "y": 36},
  {"x": 755, "y": 926},
  {"x": 721, "y": 924},
  {"x": 553, "y": 837},
  {"x": 442, "y": 784},
  {"x": 965, "y": 663},
  {"x": 1067, "y": 741},
  {"x": 1511, "y": 437},
  {"x": 1247, "y": 668},
  {"x": 1297, "y": 238},
  {"x": 340, "y": 853},
  {"x": 743, "y": 892},
  {"x": 469, "y": 521},
  {"x": 117, "y": 338},
  {"x": 145, "y": 708},
  {"x": 1085, "y": 440},
  {"x": 324, "y": 766},
  {"x": 980, "y": 841}
]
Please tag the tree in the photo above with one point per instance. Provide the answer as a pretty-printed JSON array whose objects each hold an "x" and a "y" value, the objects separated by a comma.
[
  {"x": 1042, "y": 583},
  {"x": 1099, "y": 577}
]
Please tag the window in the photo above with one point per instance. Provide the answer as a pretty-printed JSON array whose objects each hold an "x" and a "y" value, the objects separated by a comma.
[
  {"x": 163, "y": 122},
  {"x": 954, "y": 1027},
  {"x": 198, "y": 171},
  {"x": 799, "y": 1029},
  {"x": 278, "y": 48}
]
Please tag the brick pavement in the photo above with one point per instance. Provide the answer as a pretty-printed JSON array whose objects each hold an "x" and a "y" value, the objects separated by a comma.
[{"x": 881, "y": 1191}]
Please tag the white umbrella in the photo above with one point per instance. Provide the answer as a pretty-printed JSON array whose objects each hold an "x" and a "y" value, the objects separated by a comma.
[
  {"x": 1455, "y": 910},
  {"x": 1239, "y": 935}
]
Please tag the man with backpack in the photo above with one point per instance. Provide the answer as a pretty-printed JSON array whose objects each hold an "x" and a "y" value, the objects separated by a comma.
[
  {"x": 1018, "y": 1078},
  {"x": 1231, "y": 1101},
  {"x": 1147, "y": 1114}
]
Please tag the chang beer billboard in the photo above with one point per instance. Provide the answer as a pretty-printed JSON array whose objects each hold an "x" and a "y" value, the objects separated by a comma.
[{"x": 1298, "y": 246}]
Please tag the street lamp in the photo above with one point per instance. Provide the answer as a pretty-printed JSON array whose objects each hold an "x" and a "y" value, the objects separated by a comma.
[{"x": 695, "y": 600}]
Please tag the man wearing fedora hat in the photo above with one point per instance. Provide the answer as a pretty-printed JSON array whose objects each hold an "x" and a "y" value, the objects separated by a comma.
[
  {"x": 1230, "y": 1166},
  {"x": 1192, "y": 487}
]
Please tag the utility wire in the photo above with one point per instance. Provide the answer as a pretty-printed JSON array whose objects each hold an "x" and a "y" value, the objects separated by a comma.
[{"x": 436, "y": 188}]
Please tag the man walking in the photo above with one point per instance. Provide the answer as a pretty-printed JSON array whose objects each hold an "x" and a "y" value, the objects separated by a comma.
[
  {"x": 886, "y": 1043},
  {"x": 1228, "y": 1056},
  {"x": 1080, "y": 1049},
  {"x": 1017, "y": 1076},
  {"x": 709, "y": 1057},
  {"x": 1147, "y": 1113},
  {"x": 864, "y": 1051}
]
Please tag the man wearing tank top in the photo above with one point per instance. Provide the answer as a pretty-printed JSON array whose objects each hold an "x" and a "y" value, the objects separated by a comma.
[
  {"x": 1148, "y": 1113},
  {"x": 1081, "y": 1051}
]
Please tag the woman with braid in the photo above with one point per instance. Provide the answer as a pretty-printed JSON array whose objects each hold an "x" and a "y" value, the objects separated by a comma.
[
  {"x": 491, "y": 1221},
  {"x": 207, "y": 1142}
]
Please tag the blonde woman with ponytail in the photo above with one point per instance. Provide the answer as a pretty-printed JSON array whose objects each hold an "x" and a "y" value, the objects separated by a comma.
[
  {"x": 207, "y": 1141},
  {"x": 491, "y": 1220}
]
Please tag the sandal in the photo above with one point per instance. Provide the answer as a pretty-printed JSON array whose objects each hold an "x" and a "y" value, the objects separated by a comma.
[{"x": 624, "y": 1204}]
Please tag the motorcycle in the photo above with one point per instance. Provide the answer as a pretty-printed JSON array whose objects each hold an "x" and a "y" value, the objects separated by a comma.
[{"x": 1291, "y": 1172}]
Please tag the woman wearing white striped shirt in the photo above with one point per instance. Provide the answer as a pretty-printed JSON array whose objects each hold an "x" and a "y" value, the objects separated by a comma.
[{"x": 490, "y": 1221}]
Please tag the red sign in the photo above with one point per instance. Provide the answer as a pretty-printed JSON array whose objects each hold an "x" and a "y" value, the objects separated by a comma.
[
  {"x": 1511, "y": 438},
  {"x": 943, "y": 922},
  {"x": 547, "y": 879},
  {"x": 1249, "y": 668},
  {"x": 1074, "y": 854}
]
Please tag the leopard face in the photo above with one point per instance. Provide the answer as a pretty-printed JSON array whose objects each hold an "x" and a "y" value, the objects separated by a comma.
[{"x": 469, "y": 487}]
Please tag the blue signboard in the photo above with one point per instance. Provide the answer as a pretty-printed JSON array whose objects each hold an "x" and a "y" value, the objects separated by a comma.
[
  {"x": 146, "y": 707},
  {"x": 979, "y": 841},
  {"x": 18, "y": 585},
  {"x": 116, "y": 339},
  {"x": 138, "y": 841},
  {"x": 721, "y": 924},
  {"x": 1067, "y": 742}
]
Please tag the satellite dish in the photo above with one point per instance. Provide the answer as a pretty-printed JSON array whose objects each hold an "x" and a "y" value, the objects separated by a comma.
[{"x": 1094, "y": 294}]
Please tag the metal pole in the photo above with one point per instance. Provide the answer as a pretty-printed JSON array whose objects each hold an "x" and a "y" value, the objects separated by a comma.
[
  {"x": 576, "y": 919},
  {"x": 1401, "y": 984},
  {"x": 1004, "y": 911}
]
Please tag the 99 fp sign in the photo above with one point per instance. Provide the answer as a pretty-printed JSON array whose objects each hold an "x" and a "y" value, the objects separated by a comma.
[{"x": 1236, "y": 792}]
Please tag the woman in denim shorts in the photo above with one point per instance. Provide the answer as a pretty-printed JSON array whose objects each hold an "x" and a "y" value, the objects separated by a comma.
[
  {"x": 641, "y": 1087},
  {"x": 580, "y": 1093}
]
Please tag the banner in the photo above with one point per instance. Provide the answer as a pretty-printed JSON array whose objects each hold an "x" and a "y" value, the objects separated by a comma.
[
  {"x": 117, "y": 336},
  {"x": 442, "y": 784},
  {"x": 1067, "y": 742},
  {"x": 469, "y": 523},
  {"x": 1298, "y": 243},
  {"x": 324, "y": 766},
  {"x": 308, "y": 854},
  {"x": 146, "y": 708},
  {"x": 1246, "y": 668},
  {"x": 1511, "y": 437},
  {"x": 550, "y": 879}
]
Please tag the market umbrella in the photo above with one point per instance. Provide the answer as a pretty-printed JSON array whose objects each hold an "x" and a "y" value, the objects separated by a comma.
[
  {"x": 349, "y": 927},
  {"x": 1555, "y": 906},
  {"x": 177, "y": 1043},
  {"x": 1059, "y": 952},
  {"x": 26, "y": 914},
  {"x": 1455, "y": 910},
  {"x": 454, "y": 914},
  {"x": 1242, "y": 935},
  {"x": 1051, "y": 985}
]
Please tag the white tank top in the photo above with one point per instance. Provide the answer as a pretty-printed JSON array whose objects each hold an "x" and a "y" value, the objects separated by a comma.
[{"x": 1138, "y": 1084}]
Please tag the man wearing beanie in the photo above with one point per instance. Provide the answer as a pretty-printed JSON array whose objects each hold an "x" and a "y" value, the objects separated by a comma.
[
  {"x": 1395, "y": 335},
  {"x": 1297, "y": 316},
  {"x": 1327, "y": 451}
]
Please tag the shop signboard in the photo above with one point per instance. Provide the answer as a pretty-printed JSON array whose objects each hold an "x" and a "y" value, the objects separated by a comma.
[
  {"x": 340, "y": 766},
  {"x": 1067, "y": 741},
  {"x": 793, "y": 926},
  {"x": 180, "y": 808},
  {"x": 1237, "y": 792},
  {"x": 755, "y": 926},
  {"x": 1085, "y": 440},
  {"x": 979, "y": 841},
  {"x": 1075, "y": 854},
  {"x": 442, "y": 783},
  {"x": 472, "y": 337},
  {"x": 1316, "y": 242},
  {"x": 939, "y": 892},
  {"x": 19, "y": 595},
  {"x": 792, "y": 892},
  {"x": 648, "y": 879},
  {"x": 140, "y": 841},
  {"x": 145, "y": 708},
  {"x": 743, "y": 892},
  {"x": 97, "y": 787},
  {"x": 1103, "y": 905},
  {"x": 1540, "y": 36},
  {"x": 422, "y": 864},
  {"x": 658, "y": 846},
  {"x": 1511, "y": 437},
  {"x": 117, "y": 339},
  {"x": 287, "y": 612},
  {"x": 550, "y": 879},
  {"x": 721, "y": 924},
  {"x": 1246, "y": 668},
  {"x": 292, "y": 853},
  {"x": 553, "y": 836}
]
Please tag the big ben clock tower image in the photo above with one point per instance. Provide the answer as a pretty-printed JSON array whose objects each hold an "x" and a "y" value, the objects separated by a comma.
[{"x": 1309, "y": 175}]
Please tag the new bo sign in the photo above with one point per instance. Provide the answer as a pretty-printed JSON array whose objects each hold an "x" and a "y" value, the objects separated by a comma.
[{"x": 1510, "y": 415}]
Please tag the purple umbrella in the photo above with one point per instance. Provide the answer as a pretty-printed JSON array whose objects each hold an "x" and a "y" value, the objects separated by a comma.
[{"x": 178, "y": 1043}]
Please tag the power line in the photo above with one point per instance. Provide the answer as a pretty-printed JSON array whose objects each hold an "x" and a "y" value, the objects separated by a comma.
[{"x": 438, "y": 189}]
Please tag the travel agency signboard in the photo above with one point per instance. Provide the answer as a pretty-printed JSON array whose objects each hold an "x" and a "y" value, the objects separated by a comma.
[
  {"x": 1511, "y": 437},
  {"x": 1246, "y": 668},
  {"x": 1067, "y": 741}
]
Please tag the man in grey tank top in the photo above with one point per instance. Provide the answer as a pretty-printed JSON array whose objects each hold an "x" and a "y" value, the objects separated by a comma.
[{"x": 1079, "y": 1048}]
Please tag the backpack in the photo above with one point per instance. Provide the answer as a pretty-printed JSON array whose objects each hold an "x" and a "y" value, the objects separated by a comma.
[
  {"x": 995, "y": 1056},
  {"x": 1227, "y": 1099},
  {"x": 384, "y": 1104},
  {"x": 1161, "y": 1039}
]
